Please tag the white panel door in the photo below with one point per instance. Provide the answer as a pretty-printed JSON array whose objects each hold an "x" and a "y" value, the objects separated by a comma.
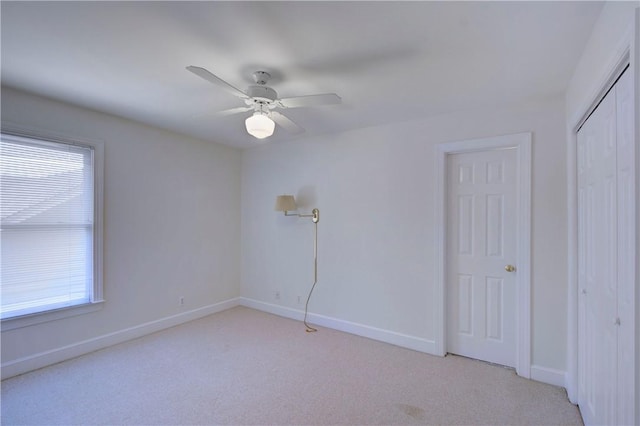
[{"x": 481, "y": 241}]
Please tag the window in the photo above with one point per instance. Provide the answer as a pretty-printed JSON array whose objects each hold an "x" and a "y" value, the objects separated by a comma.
[{"x": 49, "y": 225}]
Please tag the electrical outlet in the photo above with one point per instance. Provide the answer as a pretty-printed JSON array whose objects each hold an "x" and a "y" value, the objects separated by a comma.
[
  {"x": 277, "y": 295},
  {"x": 299, "y": 300},
  {"x": 181, "y": 301}
]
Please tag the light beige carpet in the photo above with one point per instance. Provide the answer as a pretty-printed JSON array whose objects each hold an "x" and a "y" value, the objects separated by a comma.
[{"x": 246, "y": 367}]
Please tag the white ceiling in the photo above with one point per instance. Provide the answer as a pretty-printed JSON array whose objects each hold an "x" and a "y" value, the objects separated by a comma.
[{"x": 389, "y": 61}]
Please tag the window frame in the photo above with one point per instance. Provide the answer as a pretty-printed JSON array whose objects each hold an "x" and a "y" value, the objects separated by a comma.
[{"x": 97, "y": 299}]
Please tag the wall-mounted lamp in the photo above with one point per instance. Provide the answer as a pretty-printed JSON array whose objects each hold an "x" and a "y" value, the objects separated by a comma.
[{"x": 287, "y": 204}]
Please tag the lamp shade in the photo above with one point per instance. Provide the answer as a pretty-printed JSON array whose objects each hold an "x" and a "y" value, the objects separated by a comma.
[
  {"x": 285, "y": 203},
  {"x": 259, "y": 125}
]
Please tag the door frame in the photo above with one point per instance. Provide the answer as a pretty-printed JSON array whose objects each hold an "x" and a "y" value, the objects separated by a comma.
[
  {"x": 522, "y": 143},
  {"x": 625, "y": 54}
]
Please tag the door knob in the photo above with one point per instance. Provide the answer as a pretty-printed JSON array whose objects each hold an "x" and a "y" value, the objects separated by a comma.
[{"x": 509, "y": 268}]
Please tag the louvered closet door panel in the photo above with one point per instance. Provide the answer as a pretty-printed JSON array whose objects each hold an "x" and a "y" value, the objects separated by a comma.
[
  {"x": 626, "y": 249},
  {"x": 607, "y": 213},
  {"x": 597, "y": 264}
]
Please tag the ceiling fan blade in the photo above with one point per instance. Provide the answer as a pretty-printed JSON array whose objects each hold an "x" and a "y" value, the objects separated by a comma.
[
  {"x": 231, "y": 111},
  {"x": 203, "y": 73},
  {"x": 286, "y": 123},
  {"x": 310, "y": 100}
]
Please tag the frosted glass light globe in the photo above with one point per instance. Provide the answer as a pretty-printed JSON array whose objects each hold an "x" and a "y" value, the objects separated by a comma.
[{"x": 259, "y": 125}]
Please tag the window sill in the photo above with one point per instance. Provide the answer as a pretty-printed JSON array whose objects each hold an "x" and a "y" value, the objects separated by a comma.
[{"x": 41, "y": 317}]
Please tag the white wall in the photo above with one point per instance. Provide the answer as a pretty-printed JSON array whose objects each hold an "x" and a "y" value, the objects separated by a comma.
[
  {"x": 172, "y": 223},
  {"x": 610, "y": 35},
  {"x": 375, "y": 191}
]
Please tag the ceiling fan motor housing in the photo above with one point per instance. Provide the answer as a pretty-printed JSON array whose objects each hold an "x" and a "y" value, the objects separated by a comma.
[{"x": 262, "y": 93}]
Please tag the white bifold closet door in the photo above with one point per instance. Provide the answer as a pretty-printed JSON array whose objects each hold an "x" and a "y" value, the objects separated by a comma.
[{"x": 606, "y": 266}]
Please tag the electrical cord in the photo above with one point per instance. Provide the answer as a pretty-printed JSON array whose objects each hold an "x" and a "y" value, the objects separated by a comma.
[
  {"x": 315, "y": 278},
  {"x": 306, "y": 306}
]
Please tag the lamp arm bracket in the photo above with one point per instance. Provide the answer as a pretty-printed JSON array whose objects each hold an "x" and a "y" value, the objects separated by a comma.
[{"x": 315, "y": 215}]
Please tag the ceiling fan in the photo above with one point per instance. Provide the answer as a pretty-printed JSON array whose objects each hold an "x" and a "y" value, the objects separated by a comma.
[{"x": 263, "y": 100}]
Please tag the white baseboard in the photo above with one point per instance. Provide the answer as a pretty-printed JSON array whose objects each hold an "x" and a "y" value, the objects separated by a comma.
[
  {"x": 398, "y": 339},
  {"x": 42, "y": 359},
  {"x": 548, "y": 375},
  {"x": 538, "y": 373}
]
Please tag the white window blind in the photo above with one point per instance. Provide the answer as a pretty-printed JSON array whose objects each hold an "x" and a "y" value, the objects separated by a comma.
[{"x": 47, "y": 225}]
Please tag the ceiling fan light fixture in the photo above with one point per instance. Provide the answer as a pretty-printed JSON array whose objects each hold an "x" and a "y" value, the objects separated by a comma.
[
  {"x": 265, "y": 101},
  {"x": 259, "y": 125}
]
